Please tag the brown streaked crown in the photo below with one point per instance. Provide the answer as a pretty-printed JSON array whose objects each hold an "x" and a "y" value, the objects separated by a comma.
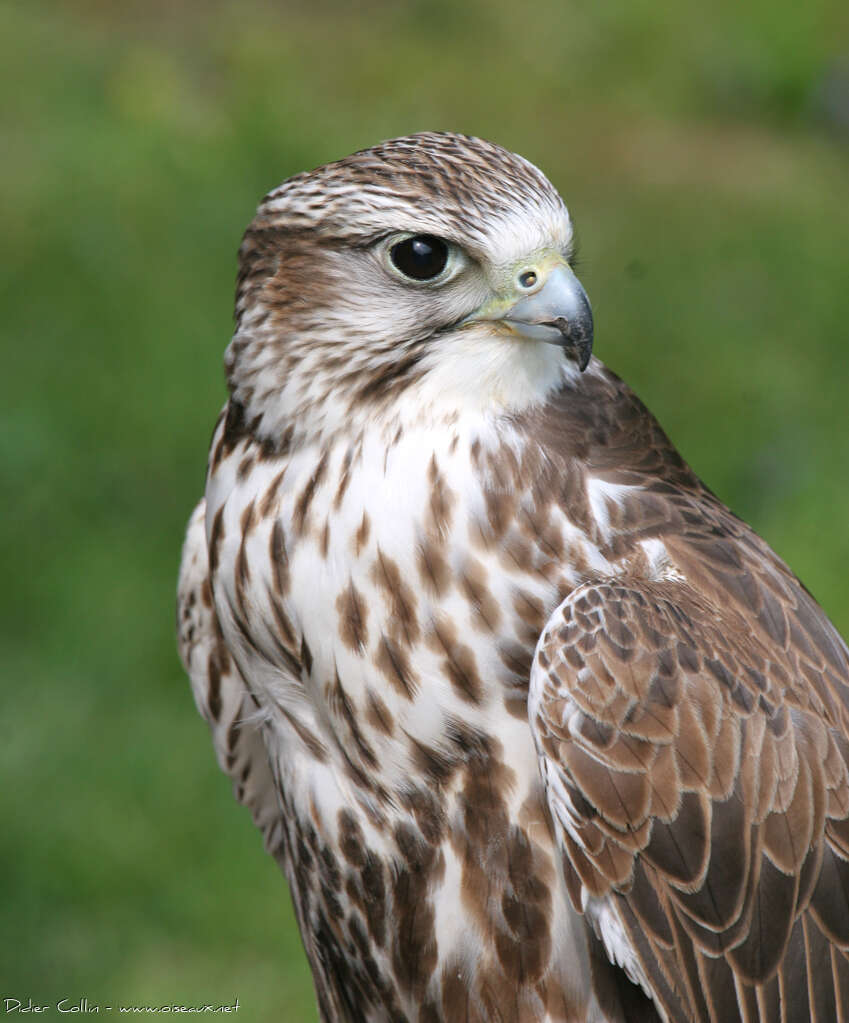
[{"x": 466, "y": 179}]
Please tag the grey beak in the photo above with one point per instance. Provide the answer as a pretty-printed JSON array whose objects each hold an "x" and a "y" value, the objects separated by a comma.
[{"x": 559, "y": 313}]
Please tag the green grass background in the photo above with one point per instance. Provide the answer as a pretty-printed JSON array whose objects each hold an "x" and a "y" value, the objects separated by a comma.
[{"x": 700, "y": 148}]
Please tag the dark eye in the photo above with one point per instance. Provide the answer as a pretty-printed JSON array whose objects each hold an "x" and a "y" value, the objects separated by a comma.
[{"x": 421, "y": 257}]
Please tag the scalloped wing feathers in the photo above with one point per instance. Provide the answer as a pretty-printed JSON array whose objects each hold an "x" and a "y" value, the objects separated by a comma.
[{"x": 700, "y": 791}]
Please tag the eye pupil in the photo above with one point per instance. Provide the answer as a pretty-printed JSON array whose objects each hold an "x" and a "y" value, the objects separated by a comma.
[{"x": 421, "y": 257}]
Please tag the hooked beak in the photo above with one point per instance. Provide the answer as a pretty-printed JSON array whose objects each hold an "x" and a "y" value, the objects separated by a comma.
[{"x": 557, "y": 312}]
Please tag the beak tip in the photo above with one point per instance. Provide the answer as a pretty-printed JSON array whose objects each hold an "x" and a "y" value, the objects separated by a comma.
[{"x": 577, "y": 339}]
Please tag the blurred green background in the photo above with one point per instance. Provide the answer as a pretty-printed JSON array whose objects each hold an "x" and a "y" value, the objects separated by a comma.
[{"x": 704, "y": 151}]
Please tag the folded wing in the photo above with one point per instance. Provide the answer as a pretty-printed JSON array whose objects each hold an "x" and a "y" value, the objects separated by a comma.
[{"x": 701, "y": 806}]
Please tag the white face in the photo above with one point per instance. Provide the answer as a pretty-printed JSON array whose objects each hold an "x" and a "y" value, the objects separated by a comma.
[
  {"x": 374, "y": 296},
  {"x": 357, "y": 300}
]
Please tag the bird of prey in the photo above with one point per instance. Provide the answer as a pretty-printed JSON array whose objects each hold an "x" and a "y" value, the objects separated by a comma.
[{"x": 536, "y": 728}]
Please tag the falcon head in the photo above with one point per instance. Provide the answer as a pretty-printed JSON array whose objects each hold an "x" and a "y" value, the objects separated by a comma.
[{"x": 430, "y": 272}]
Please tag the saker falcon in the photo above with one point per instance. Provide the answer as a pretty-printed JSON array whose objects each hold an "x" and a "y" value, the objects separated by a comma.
[{"x": 536, "y": 728}]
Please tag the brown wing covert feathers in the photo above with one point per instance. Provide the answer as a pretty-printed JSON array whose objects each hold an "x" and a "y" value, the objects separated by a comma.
[{"x": 701, "y": 790}]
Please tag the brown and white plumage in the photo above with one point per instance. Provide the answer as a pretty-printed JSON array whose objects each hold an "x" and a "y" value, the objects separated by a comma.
[{"x": 537, "y": 729}]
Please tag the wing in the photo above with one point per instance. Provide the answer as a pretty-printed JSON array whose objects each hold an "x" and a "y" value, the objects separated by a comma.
[
  {"x": 220, "y": 691},
  {"x": 701, "y": 803}
]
